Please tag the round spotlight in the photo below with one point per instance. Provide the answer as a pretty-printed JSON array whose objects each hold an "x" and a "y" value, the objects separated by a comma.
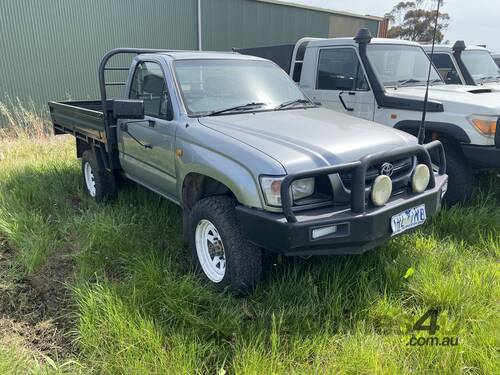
[
  {"x": 420, "y": 179},
  {"x": 381, "y": 190}
]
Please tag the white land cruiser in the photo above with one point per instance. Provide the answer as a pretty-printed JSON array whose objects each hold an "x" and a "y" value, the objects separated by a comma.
[
  {"x": 384, "y": 80},
  {"x": 465, "y": 65}
]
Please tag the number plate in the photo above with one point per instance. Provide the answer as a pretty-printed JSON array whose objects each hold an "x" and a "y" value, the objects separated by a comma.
[{"x": 408, "y": 219}]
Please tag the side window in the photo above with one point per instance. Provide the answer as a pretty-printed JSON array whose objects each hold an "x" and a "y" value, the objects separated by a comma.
[
  {"x": 149, "y": 85},
  {"x": 339, "y": 69},
  {"x": 446, "y": 68}
]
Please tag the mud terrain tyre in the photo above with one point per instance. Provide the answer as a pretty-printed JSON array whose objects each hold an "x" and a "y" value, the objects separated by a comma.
[
  {"x": 460, "y": 175},
  {"x": 99, "y": 183},
  {"x": 222, "y": 255}
]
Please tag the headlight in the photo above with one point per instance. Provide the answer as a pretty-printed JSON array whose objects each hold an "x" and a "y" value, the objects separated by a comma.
[
  {"x": 486, "y": 125},
  {"x": 271, "y": 187},
  {"x": 420, "y": 178},
  {"x": 302, "y": 188},
  {"x": 381, "y": 190}
]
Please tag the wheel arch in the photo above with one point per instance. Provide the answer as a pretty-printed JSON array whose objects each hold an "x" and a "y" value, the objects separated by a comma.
[
  {"x": 197, "y": 185},
  {"x": 98, "y": 148},
  {"x": 81, "y": 147},
  {"x": 439, "y": 129}
]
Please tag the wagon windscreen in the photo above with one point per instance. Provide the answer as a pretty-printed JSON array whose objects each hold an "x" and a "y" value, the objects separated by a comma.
[
  {"x": 481, "y": 66},
  {"x": 210, "y": 86}
]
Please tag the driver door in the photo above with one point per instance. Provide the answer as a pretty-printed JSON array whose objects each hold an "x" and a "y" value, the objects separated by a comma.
[
  {"x": 147, "y": 153},
  {"x": 341, "y": 83}
]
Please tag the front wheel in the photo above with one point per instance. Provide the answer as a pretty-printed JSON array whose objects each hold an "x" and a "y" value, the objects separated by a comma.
[
  {"x": 222, "y": 254},
  {"x": 460, "y": 174}
]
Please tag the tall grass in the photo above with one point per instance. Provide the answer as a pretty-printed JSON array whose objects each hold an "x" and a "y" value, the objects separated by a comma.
[
  {"x": 18, "y": 120},
  {"x": 139, "y": 309}
]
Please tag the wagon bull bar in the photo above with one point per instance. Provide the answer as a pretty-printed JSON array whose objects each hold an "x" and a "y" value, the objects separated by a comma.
[{"x": 359, "y": 168}]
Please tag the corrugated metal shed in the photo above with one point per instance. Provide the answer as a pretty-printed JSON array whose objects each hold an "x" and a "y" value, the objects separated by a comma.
[
  {"x": 245, "y": 23},
  {"x": 50, "y": 49}
]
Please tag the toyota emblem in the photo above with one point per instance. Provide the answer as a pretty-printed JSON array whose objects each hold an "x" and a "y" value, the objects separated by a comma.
[{"x": 387, "y": 169}]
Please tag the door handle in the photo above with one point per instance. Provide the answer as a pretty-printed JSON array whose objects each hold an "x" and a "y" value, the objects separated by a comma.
[
  {"x": 348, "y": 109},
  {"x": 124, "y": 128},
  {"x": 151, "y": 123}
]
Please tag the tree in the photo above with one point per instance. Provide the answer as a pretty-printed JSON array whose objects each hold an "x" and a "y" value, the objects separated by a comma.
[{"x": 414, "y": 20}]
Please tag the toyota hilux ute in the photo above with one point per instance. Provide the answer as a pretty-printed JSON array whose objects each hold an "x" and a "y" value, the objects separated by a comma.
[
  {"x": 253, "y": 163},
  {"x": 465, "y": 65},
  {"x": 384, "y": 80}
]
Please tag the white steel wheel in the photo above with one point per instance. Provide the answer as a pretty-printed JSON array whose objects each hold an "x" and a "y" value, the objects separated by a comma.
[
  {"x": 210, "y": 250},
  {"x": 89, "y": 179}
]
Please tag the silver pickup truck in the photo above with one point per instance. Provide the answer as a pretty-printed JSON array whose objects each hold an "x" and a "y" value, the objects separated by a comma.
[{"x": 254, "y": 164}]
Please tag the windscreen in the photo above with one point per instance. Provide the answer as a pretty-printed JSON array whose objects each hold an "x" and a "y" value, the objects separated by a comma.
[
  {"x": 480, "y": 65},
  {"x": 210, "y": 85},
  {"x": 399, "y": 65}
]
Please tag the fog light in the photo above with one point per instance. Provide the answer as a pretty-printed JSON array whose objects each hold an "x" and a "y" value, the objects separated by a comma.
[
  {"x": 420, "y": 179},
  {"x": 324, "y": 231},
  {"x": 381, "y": 190}
]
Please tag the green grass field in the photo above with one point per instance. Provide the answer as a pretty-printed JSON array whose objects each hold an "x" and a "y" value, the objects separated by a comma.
[{"x": 108, "y": 289}]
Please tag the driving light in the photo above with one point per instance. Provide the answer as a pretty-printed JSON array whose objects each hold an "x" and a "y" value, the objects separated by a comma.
[
  {"x": 381, "y": 190},
  {"x": 485, "y": 125},
  {"x": 271, "y": 187},
  {"x": 323, "y": 231},
  {"x": 420, "y": 178}
]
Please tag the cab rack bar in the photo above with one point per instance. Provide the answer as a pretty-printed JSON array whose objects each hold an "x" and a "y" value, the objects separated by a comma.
[{"x": 107, "y": 106}]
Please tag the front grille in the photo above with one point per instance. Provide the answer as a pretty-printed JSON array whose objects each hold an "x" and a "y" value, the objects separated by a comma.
[{"x": 402, "y": 168}]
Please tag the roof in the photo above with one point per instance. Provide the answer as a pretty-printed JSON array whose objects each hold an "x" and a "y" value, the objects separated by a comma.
[
  {"x": 449, "y": 48},
  {"x": 351, "y": 41},
  {"x": 198, "y": 55},
  {"x": 323, "y": 10}
]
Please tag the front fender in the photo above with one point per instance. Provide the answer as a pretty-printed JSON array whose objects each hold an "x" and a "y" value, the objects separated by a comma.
[
  {"x": 450, "y": 130},
  {"x": 234, "y": 175}
]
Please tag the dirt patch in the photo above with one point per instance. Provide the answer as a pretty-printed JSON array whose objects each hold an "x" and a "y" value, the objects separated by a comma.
[
  {"x": 75, "y": 202},
  {"x": 34, "y": 311}
]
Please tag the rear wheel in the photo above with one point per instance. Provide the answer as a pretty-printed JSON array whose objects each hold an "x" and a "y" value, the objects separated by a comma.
[
  {"x": 99, "y": 183},
  {"x": 223, "y": 255},
  {"x": 460, "y": 174}
]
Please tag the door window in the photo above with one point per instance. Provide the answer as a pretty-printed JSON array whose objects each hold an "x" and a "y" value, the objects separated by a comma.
[
  {"x": 148, "y": 84},
  {"x": 446, "y": 68},
  {"x": 339, "y": 69}
]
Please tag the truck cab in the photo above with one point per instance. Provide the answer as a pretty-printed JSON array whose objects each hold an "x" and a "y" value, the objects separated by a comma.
[
  {"x": 465, "y": 65},
  {"x": 384, "y": 80}
]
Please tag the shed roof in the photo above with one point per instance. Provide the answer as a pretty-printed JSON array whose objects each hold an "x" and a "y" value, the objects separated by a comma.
[{"x": 324, "y": 10}]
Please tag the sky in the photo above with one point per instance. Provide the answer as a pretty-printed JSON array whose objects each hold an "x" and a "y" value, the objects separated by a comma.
[{"x": 475, "y": 21}]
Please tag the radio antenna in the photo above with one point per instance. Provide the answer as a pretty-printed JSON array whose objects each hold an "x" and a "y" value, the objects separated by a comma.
[{"x": 421, "y": 130}]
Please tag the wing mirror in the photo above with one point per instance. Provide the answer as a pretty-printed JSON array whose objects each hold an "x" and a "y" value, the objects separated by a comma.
[{"x": 128, "y": 108}]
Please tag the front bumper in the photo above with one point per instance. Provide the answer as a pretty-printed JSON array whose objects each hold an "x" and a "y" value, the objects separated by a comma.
[
  {"x": 356, "y": 232},
  {"x": 482, "y": 157},
  {"x": 359, "y": 226}
]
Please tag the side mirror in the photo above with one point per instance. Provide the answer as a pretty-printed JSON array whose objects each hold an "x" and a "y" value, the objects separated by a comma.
[{"x": 128, "y": 108}]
